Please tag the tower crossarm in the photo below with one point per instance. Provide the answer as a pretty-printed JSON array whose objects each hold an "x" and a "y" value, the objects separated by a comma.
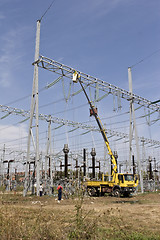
[
  {"x": 61, "y": 121},
  {"x": 63, "y": 70}
]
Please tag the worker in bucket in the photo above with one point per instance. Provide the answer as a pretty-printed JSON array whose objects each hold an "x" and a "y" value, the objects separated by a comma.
[{"x": 60, "y": 189}]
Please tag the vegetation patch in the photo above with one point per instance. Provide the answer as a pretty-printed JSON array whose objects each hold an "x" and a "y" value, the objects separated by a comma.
[{"x": 37, "y": 218}]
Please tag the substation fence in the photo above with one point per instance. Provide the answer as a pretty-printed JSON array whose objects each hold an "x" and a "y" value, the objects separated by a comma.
[{"x": 151, "y": 185}]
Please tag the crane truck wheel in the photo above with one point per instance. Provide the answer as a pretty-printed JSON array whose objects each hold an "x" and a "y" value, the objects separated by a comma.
[
  {"x": 116, "y": 192},
  {"x": 91, "y": 191},
  {"x": 126, "y": 195}
]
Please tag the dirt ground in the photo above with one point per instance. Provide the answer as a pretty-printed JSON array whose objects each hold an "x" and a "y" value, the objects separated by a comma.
[{"x": 113, "y": 217}]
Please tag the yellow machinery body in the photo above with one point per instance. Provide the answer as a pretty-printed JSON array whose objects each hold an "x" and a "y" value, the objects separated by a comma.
[{"x": 120, "y": 184}]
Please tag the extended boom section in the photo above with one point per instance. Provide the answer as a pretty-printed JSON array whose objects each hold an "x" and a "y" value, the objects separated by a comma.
[{"x": 102, "y": 130}]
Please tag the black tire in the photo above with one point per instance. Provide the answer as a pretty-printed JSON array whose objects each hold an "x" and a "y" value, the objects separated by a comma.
[
  {"x": 116, "y": 193},
  {"x": 126, "y": 195},
  {"x": 91, "y": 192},
  {"x": 102, "y": 194}
]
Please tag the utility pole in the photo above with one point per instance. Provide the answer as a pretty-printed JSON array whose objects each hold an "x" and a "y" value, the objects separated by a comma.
[
  {"x": 49, "y": 154},
  {"x": 2, "y": 169},
  {"x": 116, "y": 156},
  {"x": 84, "y": 162},
  {"x": 132, "y": 117},
  {"x": 33, "y": 177},
  {"x": 106, "y": 162},
  {"x": 34, "y": 109},
  {"x": 131, "y": 123},
  {"x": 133, "y": 163},
  {"x": 143, "y": 154}
]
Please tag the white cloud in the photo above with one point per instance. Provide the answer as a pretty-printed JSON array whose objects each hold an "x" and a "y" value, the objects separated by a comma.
[
  {"x": 11, "y": 49},
  {"x": 9, "y": 43},
  {"x": 10, "y": 134}
]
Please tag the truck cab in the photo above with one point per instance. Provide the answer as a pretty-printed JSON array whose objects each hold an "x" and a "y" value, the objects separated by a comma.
[
  {"x": 125, "y": 184},
  {"x": 119, "y": 184}
]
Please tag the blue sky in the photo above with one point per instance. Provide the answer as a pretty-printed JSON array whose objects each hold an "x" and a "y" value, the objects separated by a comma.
[{"x": 99, "y": 37}]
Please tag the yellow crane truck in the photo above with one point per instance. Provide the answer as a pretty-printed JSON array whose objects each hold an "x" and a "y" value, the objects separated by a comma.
[{"x": 116, "y": 184}]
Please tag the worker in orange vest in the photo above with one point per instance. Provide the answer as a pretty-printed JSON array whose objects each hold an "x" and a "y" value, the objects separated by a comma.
[{"x": 60, "y": 189}]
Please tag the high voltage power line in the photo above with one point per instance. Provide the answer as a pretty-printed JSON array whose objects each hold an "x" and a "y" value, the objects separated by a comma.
[
  {"x": 68, "y": 123},
  {"x": 63, "y": 70}
]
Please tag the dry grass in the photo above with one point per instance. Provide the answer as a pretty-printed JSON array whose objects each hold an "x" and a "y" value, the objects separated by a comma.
[{"x": 79, "y": 218}]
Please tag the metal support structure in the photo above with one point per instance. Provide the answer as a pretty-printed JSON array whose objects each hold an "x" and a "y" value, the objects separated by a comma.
[
  {"x": 15, "y": 174},
  {"x": 2, "y": 168},
  {"x": 44, "y": 117},
  {"x": 49, "y": 153},
  {"x": 144, "y": 166},
  {"x": 84, "y": 162},
  {"x": 34, "y": 110},
  {"x": 155, "y": 169},
  {"x": 120, "y": 167},
  {"x": 132, "y": 117},
  {"x": 99, "y": 168},
  {"x": 8, "y": 172},
  {"x": 49, "y": 169},
  {"x": 60, "y": 167},
  {"x": 33, "y": 177},
  {"x": 66, "y": 151},
  {"x": 130, "y": 134},
  {"x": 93, "y": 154},
  {"x": 76, "y": 167},
  {"x": 133, "y": 163},
  {"x": 106, "y": 165},
  {"x": 150, "y": 168},
  {"x": 63, "y": 70}
]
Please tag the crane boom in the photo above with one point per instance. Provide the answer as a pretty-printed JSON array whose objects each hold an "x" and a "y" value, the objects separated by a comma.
[
  {"x": 121, "y": 183},
  {"x": 102, "y": 130}
]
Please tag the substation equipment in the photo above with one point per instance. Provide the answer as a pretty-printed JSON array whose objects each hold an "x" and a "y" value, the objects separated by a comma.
[{"x": 107, "y": 88}]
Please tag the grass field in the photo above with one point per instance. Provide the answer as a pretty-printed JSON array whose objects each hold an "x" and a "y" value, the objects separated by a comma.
[{"x": 106, "y": 217}]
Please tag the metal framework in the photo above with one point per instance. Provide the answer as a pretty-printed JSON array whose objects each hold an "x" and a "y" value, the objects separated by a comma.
[
  {"x": 133, "y": 128},
  {"x": 61, "y": 121},
  {"x": 63, "y": 70},
  {"x": 34, "y": 110},
  {"x": 48, "y": 155}
]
